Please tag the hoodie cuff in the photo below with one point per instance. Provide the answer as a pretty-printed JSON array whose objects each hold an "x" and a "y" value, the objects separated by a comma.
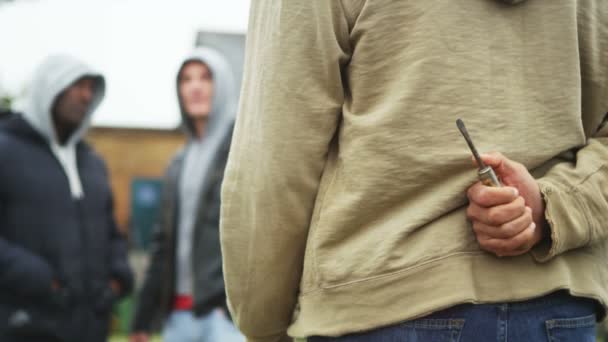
[{"x": 567, "y": 226}]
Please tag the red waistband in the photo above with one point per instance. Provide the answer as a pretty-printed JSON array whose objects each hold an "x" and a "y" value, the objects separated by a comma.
[{"x": 181, "y": 302}]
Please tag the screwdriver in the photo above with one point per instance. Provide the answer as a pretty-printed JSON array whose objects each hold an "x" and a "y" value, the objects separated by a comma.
[{"x": 486, "y": 174}]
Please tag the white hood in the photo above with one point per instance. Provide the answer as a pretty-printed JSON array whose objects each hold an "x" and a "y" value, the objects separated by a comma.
[{"x": 50, "y": 79}]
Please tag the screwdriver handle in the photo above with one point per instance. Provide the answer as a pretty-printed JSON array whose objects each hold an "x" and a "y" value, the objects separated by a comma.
[{"x": 488, "y": 177}]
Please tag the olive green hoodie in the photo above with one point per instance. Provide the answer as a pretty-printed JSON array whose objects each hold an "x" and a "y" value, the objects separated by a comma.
[{"x": 344, "y": 196}]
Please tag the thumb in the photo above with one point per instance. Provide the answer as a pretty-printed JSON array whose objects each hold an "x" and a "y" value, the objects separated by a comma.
[{"x": 503, "y": 166}]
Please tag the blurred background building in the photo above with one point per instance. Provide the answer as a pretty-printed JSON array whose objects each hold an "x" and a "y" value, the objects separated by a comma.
[{"x": 138, "y": 46}]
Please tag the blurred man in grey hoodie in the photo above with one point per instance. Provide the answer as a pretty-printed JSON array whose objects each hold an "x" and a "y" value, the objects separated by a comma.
[
  {"x": 62, "y": 260},
  {"x": 184, "y": 285}
]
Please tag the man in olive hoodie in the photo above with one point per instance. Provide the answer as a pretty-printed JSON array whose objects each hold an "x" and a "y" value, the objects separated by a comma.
[{"x": 350, "y": 203}]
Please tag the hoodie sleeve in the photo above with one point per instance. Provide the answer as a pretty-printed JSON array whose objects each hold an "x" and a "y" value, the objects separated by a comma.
[
  {"x": 290, "y": 107},
  {"x": 576, "y": 193},
  {"x": 576, "y": 198}
]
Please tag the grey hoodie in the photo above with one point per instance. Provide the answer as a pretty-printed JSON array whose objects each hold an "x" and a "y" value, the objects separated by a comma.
[
  {"x": 199, "y": 156},
  {"x": 51, "y": 78}
]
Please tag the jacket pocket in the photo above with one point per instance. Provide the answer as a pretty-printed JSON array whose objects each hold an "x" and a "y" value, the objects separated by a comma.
[
  {"x": 38, "y": 317},
  {"x": 579, "y": 329},
  {"x": 32, "y": 320},
  {"x": 104, "y": 301}
]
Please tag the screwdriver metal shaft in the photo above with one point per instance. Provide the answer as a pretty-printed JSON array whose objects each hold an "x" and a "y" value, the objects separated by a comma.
[{"x": 486, "y": 174}]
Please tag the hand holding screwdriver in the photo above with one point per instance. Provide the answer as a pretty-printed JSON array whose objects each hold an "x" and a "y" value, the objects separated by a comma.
[{"x": 505, "y": 207}]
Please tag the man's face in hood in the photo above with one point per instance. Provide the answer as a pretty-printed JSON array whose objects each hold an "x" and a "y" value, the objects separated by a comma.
[
  {"x": 71, "y": 106},
  {"x": 196, "y": 90}
]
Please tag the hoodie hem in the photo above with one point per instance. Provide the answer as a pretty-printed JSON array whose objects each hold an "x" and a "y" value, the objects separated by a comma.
[{"x": 477, "y": 279}]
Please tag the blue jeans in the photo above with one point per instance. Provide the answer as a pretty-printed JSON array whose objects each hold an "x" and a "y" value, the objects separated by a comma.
[
  {"x": 183, "y": 326},
  {"x": 555, "y": 317}
]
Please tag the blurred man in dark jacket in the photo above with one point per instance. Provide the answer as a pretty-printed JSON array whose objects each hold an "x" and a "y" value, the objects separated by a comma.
[{"x": 62, "y": 260}]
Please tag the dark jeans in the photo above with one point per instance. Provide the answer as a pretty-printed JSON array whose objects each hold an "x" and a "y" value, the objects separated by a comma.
[{"x": 555, "y": 317}]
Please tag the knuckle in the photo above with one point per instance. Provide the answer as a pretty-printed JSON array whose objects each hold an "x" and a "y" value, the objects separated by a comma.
[
  {"x": 520, "y": 167},
  {"x": 493, "y": 245},
  {"x": 494, "y": 216},
  {"x": 483, "y": 243},
  {"x": 528, "y": 222},
  {"x": 528, "y": 212},
  {"x": 479, "y": 195},
  {"x": 483, "y": 196},
  {"x": 510, "y": 245},
  {"x": 515, "y": 208},
  {"x": 507, "y": 228},
  {"x": 529, "y": 234},
  {"x": 471, "y": 192},
  {"x": 481, "y": 238},
  {"x": 470, "y": 212},
  {"x": 520, "y": 241},
  {"x": 474, "y": 190}
]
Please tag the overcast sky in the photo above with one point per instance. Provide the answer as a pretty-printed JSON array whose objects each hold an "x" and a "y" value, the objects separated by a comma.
[{"x": 137, "y": 44}]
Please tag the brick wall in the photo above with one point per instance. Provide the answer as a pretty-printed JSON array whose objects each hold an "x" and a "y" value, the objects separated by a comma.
[{"x": 133, "y": 153}]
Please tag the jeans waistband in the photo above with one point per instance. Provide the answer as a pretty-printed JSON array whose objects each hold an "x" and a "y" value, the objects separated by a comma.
[{"x": 561, "y": 297}]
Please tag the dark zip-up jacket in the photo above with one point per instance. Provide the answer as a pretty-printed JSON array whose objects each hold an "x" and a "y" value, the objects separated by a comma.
[
  {"x": 46, "y": 235},
  {"x": 157, "y": 293}
]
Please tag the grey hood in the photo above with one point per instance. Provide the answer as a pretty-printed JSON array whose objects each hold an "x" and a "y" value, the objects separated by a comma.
[
  {"x": 51, "y": 78},
  {"x": 200, "y": 155},
  {"x": 223, "y": 102}
]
